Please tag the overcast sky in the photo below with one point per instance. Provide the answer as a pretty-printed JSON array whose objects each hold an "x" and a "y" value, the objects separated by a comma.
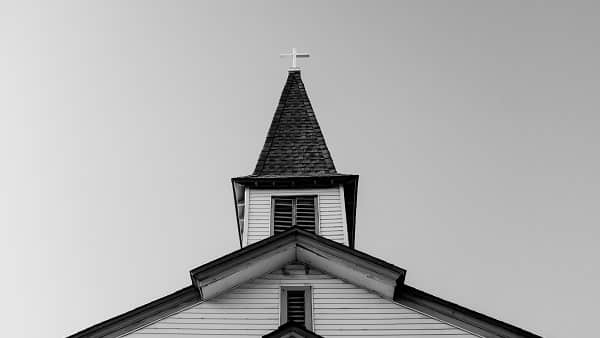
[{"x": 475, "y": 128}]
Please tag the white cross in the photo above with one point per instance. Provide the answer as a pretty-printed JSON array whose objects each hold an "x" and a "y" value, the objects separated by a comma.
[{"x": 294, "y": 54}]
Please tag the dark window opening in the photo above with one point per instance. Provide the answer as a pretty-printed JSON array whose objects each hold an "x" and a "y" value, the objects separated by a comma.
[
  {"x": 299, "y": 211},
  {"x": 296, "y": 305}
]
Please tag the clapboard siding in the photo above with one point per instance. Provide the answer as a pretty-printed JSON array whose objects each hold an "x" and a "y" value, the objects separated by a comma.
[
  {"x": 332, "y": 222},
  {"x": 340, "y": 309}
]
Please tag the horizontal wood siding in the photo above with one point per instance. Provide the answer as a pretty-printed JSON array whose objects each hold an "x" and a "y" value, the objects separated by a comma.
[
  {"x": 340, "y": 309},
  {"x": 332, "y": 224}
]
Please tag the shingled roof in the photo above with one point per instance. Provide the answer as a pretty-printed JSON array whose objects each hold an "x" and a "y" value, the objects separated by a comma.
[{"x": 295, "y": 145}]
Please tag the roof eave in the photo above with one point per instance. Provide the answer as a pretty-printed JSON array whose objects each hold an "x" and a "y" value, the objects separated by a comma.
[
  {"x": 287, "y": 181},
  {"x": 458, "y": 315},
  {"x": 142, "y": 315}
]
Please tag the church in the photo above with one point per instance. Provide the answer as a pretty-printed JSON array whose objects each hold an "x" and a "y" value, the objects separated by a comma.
[{"x": 297, "y": 273}]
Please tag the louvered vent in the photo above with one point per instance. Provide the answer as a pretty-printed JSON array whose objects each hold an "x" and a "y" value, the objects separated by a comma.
[
  {"x": 296, "y": 306},
  {"x": 294, "y": 211},
  {"x": 283, "y": 214},
  {"x": 306, "y": 213}
]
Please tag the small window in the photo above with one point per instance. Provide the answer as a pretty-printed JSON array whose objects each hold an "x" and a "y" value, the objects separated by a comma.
[
  {"x": 289, "y": 211},
  {"x": 296, "y": 305}
]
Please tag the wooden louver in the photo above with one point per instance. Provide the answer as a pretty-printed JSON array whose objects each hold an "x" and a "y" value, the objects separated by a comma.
[
  {"x": 296, "y": 306},
  {"x": 297, "y": 211}
]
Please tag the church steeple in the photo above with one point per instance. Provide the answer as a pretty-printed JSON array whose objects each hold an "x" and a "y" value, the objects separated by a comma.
[
  {"x": 295, "y": 145},
  {"x": 295, "y": 183}
]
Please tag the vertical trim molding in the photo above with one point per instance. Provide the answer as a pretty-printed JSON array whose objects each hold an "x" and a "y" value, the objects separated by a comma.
[
  {"x": 343, "y": 206},
  {"x": 317, "y": 215},
  {"x": 246, "y": 213}
]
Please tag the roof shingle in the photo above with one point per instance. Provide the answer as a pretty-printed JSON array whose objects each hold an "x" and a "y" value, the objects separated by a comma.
[{"x": 294, "y": 145}]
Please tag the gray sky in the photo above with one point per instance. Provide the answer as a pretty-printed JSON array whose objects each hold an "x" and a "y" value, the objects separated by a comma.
[{"x": 475, "y": 127}]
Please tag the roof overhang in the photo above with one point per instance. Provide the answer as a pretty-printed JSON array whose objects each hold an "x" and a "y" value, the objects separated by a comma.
[
  {"x": 296, "y": 245},
  {"x": 460, "y": 316},
  {"x": 121, "y": 325},
  {"x": 349, "y": 182}
]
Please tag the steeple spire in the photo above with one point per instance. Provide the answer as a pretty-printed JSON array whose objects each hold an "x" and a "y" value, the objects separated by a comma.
[{"x": 295, "y": 145}]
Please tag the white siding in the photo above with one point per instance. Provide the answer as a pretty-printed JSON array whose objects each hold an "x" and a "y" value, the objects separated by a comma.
[
  {"x": 332, "y": 220},
  {"x": 340, "y": 309}
]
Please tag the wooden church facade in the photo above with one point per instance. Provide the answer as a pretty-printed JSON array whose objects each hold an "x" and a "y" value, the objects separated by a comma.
[{"x": 297, "y": 273}]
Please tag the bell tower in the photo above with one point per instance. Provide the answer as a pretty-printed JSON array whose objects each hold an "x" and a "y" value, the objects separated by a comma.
[{"x": 295, "y": 182}]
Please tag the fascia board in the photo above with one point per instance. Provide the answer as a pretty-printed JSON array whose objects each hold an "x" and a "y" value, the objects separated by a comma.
[
  {"x": 143, "y": 315},
  {"x": 241, "y": 256},
  {"x": 363, "y": 261},
  {"x": 214, "y": 285},
  {"x": 384, "y": 285},
  {"x": 460, "y": 316}
]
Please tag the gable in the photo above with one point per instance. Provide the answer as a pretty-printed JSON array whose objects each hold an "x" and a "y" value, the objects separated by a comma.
[
  {"x": 297, "y": 245},
  {"x": 352, "y": 288},
  {"x": 340, "y": 309}
]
